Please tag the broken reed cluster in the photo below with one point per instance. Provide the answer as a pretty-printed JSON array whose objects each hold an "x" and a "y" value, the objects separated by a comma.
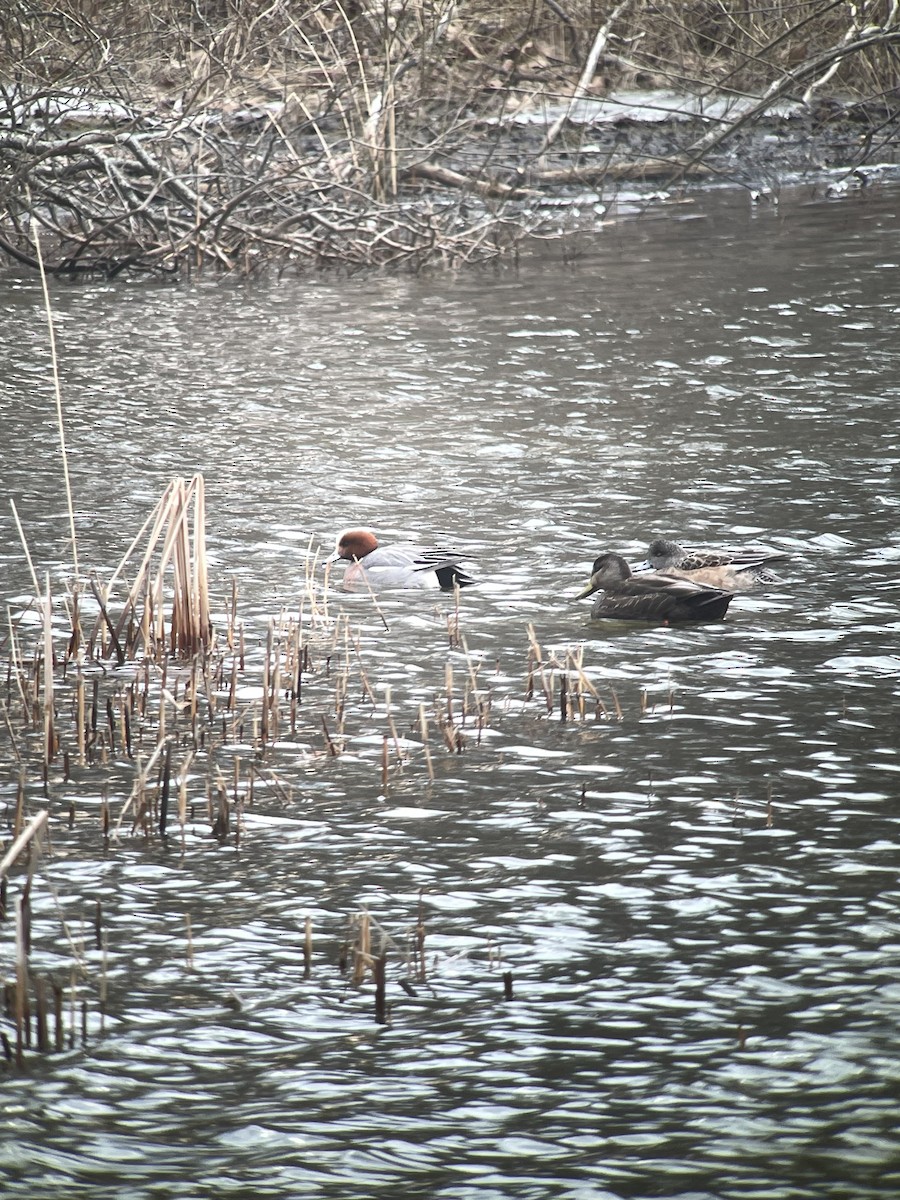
[{"x": 121, "y": 698}]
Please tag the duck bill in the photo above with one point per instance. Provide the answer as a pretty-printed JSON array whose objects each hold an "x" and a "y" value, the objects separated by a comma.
[{"x": 588, "y": 591}]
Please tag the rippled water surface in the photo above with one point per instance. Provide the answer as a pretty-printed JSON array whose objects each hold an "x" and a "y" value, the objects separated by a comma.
[{"x": 693, "y": 883}]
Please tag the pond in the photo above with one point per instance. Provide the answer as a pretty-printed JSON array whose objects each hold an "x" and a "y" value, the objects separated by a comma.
[{"x": 689, "y": 886}]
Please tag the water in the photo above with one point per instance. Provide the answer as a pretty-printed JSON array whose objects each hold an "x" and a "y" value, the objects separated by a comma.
[{"x": 697, "y": 900}]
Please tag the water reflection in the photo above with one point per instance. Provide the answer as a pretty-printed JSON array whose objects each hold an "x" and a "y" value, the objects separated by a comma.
[{"x": 695, "y": 893}]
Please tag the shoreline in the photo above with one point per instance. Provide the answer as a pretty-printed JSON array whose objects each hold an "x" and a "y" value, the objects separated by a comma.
[{"x": 244, "y": 191}]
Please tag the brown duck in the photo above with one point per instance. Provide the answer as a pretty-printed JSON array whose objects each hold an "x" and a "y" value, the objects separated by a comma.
[{"x": 647, "y": 596}]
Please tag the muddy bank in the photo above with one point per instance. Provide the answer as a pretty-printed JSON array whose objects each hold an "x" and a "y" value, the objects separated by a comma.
[{"x": 648, "y": 143}]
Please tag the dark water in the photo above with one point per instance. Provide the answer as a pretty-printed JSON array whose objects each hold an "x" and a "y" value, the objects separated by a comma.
[{"x": 698, "y": 900}]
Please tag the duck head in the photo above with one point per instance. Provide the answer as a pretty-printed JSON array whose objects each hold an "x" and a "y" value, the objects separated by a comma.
[
  {"x": 607, "y": 569},
  {"x": 354, "y": 544}
]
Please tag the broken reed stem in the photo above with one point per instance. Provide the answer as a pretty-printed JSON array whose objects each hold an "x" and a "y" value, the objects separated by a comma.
[
  {"x": 267, "y": 668},
  {"x": 363, "y": 677},
  {"x": 423, "y": 732},
  {"x": 34, "y": 580},
  {"x": 37, "y": 824},
  {"x": 365, "y": 579},
  {"x": 538, "y": 660},
  {"x": 164, "y": 790},
  {"x": 576, "y": 662},
  {"x": 379, "y": 966},
  {"x": 189, "y": 942},
  {"x": 104, "y": 981},
  {"x": 392, "y": 726},
  {"x": 139, "y": 786},
  {"x": 332, "y": 748},
  {"x": 421, "y": 971}
]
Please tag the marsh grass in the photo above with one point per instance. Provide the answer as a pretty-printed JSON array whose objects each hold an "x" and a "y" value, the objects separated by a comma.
[{"x": 149, "y": 725}]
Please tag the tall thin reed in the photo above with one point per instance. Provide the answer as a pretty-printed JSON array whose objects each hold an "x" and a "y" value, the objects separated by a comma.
[{"x": 57, "y": 390}]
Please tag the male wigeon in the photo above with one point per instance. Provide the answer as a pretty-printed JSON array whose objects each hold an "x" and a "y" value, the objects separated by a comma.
[
  {"x": 735, "y": 570},
  {"x": 650, "y": 597},
  {"x": 399, "y": 566}
]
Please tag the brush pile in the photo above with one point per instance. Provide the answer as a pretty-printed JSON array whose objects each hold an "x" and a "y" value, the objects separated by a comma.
[{"x": 391, "y": 134}]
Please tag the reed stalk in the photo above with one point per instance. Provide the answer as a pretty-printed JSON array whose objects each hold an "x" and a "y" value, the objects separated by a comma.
[
  {"x": 21, "y": 532},
  {"x": 36, "y": 240},
  {"x": 23, "y": 1035},
  {"x": 104, "y": 981},
  {"x": 184, "y": 548},
  {"x": 538, "y": 661},
  {"x": 17, "y": 666},
  {"x": 48, "y": 695},
  {"x": 379, "y": 970},
  {"x": 138, "y": 788},
  {"x": 422, "y": 971},
  {"x": 58, "y": 1020},
  {"x": 79, "y": 716},
  {"x": 362, "y": 952},
  {"x": 20, "y": 805},
  {"x": 36, "y": 825},
  {"x": 423, "y": 733},
  {"x": 12, "y": 734}
]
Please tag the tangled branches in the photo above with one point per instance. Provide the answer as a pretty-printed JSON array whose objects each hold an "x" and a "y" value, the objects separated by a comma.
[{"x": 173, "y": 196}]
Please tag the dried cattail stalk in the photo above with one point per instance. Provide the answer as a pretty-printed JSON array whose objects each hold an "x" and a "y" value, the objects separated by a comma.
[{"x": 379, "y": 971}]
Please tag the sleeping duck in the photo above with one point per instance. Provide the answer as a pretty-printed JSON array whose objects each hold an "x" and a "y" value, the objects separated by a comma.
[{"x": 734, "y": 570}]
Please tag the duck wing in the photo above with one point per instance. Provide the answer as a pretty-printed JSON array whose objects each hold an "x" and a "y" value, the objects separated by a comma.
[
  {"x": 425, "y": 559},
  {"x": 663, "y": 599},
  {"x": 663, "y": 609},
  {"x": 444, "y": 563},
  {"x": 744, "y": 558},
  {"x": 655, "y": 583}
]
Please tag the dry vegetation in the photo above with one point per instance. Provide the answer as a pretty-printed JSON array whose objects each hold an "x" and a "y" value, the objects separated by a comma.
[
  {"x": 171, "y": 137},
  {"x": 125, "y": 715}
]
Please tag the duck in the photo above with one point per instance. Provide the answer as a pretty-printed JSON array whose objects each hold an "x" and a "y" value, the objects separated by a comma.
[
  {"x": 401, "y": 565},
  {"x": 731, "y": 570},
  {"x": 648, "y": 596}
]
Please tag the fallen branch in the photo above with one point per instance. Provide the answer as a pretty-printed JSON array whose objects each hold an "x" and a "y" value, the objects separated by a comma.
[
  {"x": 587, "y": 75},
  {"x": 448, "y": 178},
  {"x": 790, "y": 83}
]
